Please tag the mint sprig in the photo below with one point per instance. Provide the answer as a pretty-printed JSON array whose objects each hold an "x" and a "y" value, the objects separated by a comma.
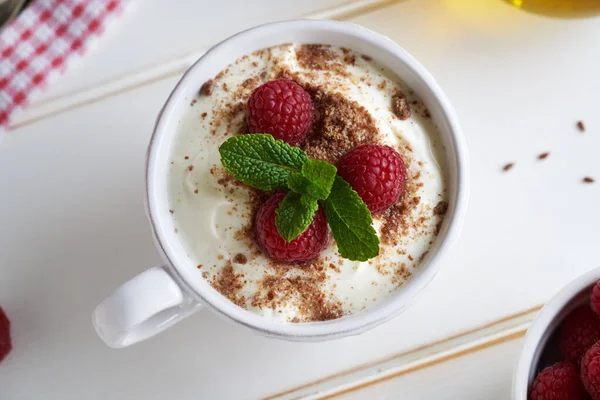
[
  {"x": 295, "y": 214},
  {"x": 263, "y": 162},
  {"x": 350, "y": 222},
  {"x": 315, "y": 179}
]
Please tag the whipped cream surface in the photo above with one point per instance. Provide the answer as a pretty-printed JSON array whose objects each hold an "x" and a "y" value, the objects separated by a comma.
[{"x": 356, "y": 101}]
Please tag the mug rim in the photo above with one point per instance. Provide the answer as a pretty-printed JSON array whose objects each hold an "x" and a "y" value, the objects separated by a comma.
[{"x": 347, "y": 325}]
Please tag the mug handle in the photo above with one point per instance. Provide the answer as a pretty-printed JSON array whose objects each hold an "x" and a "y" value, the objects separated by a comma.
[{"x": 142, "y": 307}]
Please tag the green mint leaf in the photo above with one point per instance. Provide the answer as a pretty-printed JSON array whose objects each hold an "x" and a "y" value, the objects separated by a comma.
[
  {"x": 315, "y": 179},
  {"x": 261, "y": 161},
  {"x": 298, "y": 182},
  {"x": 350, "y": 222},
  {"x": 294, "y": 215},
  {"x": 321, "y": 174}
]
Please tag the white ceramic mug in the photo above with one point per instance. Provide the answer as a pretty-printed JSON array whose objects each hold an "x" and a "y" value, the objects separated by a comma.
[{"x": 161, "y": 296}]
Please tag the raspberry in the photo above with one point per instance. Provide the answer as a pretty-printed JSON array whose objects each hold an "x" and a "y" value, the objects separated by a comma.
[
  {"x": 282, "y": 108},
  {"x": 559, "y": 381},
  {"x": 377, "y": 173},
  {"x": 305, "y": 247},
  {"x": 5, "y": 342},
  {"x": 580, "y": 330},
  {"x": 590, "y": 371},
  {"x": 595, "y": 300}
]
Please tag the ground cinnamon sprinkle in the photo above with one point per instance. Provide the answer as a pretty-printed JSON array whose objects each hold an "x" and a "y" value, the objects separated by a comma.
[
  {"x": 240, "y": 259},
  {"x": 440, "y": 208},
  {"x": 508, "y": 166},
  {"x": 350, "y": 59},
  {"x": 580, "y": 126},
  {"x": 400, "y": 106},
  {"x": 207, "y": 88},
  {"x": 399, "y": 222},
  {"x": 320, "y": 57},
  {"x": 340, "y": 125},
  {"x": 401, "y": 274},
  {"x": 229, "y": 284},
  {"x": 394, "y": 224},
  {"x": 304, "y": 292}
]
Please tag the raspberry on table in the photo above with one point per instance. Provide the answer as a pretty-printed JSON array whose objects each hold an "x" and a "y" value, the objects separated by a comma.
[
  {"x": 580, "y": 330},
  {"x": 595, "y": 299},
  {"x": 558, "y": 382},
  {"x": 305, "y": 247},
  {"x": 5, "y": 341},
  {"x": 376, "y": 173},
  {"x": 282, "y": 108},
  {"x": 590, "y": 371}
]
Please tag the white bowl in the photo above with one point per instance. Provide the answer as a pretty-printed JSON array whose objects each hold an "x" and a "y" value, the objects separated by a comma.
[{"x": 543, "y": 327}]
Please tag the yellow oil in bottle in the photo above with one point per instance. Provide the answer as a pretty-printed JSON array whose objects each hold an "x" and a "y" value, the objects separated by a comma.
[{"x": 560, "y": 8}]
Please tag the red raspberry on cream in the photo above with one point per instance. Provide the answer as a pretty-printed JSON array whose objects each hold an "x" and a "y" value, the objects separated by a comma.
[
  {"x": 282, "y": 108},
  {"x": 305, "y": 247},
  {"x": 376, "y": 173}
]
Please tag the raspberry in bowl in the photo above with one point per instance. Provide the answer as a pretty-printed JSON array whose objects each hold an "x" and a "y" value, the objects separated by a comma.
[{"x": 564, "y": 337}]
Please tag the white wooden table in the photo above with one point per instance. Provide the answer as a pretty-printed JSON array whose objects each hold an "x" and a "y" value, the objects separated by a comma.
[{"x": 72, "y": 225}]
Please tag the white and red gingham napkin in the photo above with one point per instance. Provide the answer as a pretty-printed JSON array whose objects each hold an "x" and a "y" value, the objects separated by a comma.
[{"x": 36, "y": 47}]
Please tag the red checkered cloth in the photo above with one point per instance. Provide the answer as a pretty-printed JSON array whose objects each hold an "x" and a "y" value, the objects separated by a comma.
[{"x": 37, "y": 46}]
